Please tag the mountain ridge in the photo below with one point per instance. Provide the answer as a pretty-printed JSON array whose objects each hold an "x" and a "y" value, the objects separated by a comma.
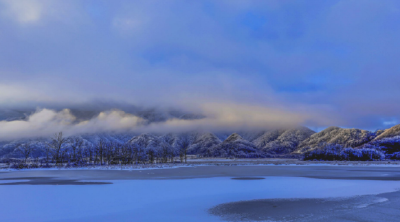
[{"x": 296, "y": 140}]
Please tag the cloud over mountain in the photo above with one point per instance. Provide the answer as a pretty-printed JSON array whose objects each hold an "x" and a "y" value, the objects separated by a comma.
[
  {"x": 296, "y": 61},
  {"x": 211, "y": 117}
]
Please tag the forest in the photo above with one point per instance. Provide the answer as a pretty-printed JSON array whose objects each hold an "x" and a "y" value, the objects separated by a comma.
[
  {"x": 388, "y": 148},
  {"x": 61, "y": 151}
]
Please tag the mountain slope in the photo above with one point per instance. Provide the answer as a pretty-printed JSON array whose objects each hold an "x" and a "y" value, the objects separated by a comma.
[
  {"x": 145, "y": 140},
  {"x": 202, "y": 143},
  {"x": 250, "y": 135},
  {"x": 336, "y": 135},
  {"x": 267, "y": 138},
  {"x": 235, "y": 146},
  {"x": 391, "y": 132},
  {"x": 287, "y": 141}
]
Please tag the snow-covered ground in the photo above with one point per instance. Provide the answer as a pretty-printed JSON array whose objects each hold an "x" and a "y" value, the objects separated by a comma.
[
  {"x": 220, "y": 162},
  {"x": 164, "y": 200}
]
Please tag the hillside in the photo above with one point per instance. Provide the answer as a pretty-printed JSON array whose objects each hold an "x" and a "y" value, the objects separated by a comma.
[
  {"x": 202, "y": 143},
  {"x": 281, "y": 141},
  {"x": 267, "y": 138},
  {"x": 287, "y": 141},
  {"x": 145, "y": 140},
  {"x": 391, "y": 132},
  {"x": 235, "y": 146},
  {"x": 336, "y": 135}
]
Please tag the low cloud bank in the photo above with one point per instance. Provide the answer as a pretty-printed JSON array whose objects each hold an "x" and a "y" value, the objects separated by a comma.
[{"x": 217, "y": 117}]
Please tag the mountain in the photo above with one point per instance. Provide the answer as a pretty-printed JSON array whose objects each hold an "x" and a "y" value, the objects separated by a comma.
[
  {"x": 391, "y": 132},
  {"x": 170, "y": 138},
  {"x": 235, "y": 146},
  {"x": 250, "y": 135},
  {"x": 199, "y": 142},
  {"x": 267, "y": 138},
  {"x": 145, "y": 140},
  {"x": 336, "y": 135},
  {"x": 202, "y": 143},
  {"x": 243, "y": 144},
  {"x": 120, "y": 138},
  {"x": 283, "y": 141}
]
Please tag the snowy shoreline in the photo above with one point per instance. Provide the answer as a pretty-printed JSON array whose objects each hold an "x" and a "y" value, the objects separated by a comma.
[{"x": 219, "y": 162}]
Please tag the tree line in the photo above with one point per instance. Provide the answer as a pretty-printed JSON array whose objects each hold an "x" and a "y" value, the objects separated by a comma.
[
  {"x": 335, "y": 152},
  {"x": 74, "y": 151}
]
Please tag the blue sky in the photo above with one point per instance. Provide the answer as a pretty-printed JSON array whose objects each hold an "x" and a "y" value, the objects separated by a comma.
[{"x": 318, "y": 63}]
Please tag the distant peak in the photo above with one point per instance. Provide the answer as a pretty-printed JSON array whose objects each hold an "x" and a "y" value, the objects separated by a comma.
[{"x": 233, "y": 137}]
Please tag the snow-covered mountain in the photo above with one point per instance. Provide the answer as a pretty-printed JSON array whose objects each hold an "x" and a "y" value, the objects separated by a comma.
[
  {"x": 391, "y": 132},
  {"x": 199, "y": 142},
  {"x": 283, "y": 141},
  {"x": 336, "y": 135},
  {"x": 268, "y": 137},
  {"x": 202, "y": 143},
  {"x": 250, "y": 135},
  {"x": 145, "y": 140},
  {"x": 120, "y": 138},
  {"x": 243, "y": 144},
  {"x": 235, "y": 146}
]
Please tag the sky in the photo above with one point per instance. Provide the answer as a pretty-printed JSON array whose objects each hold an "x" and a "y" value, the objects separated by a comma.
[{"x": 239, "y": 63}]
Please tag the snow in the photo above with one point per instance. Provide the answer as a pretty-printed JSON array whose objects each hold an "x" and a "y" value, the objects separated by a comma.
[
  {"x": 165, "y": 200},
  {"x": 380, "y": 200},
  {"x": 218, "y": 162}
]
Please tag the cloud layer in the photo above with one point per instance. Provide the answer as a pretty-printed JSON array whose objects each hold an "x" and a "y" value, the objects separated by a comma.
[
  {"x": 310, "y": 62},
  {"x": 46, "y": 122}
]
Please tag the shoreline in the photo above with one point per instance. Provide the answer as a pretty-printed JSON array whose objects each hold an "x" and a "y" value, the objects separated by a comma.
[
  {"x": 218, "y": 162},
  {"x": 342, "y": 172}
]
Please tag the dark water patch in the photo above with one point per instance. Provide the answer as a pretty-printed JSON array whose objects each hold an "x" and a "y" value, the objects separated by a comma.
[
  {"x": 49, "y": 181},
  {"x": 248, "y": 178},
  {"x": 290, "y": 209}
]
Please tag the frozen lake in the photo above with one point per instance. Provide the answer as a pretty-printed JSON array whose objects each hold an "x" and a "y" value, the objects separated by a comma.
[{"x": 165, "y": 199}]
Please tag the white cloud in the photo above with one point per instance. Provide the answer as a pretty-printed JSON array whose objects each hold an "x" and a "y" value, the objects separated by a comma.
[
  {"x": 114, "y": 120},
  {"x": 46, "y": 122},
  {"x": 24, "y": 11},
  {"x": 42, "y": 123},
  {"x": 28, "y": 12}
]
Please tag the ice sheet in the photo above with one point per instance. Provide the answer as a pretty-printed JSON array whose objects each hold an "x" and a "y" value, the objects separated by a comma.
[{"x": 164, "y": 200}]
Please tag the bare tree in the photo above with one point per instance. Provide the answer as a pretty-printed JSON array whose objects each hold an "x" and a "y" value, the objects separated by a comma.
[
  {"x": 26, "y": 150},
  {"x": 138, "y": 153},
  {"x": 100, "y": 147},
  {"x": 183, "y": 146},
  {"x": 76, "y": 144},
  {"x": 111, "y": 150},
  {"x": 166, "y": 151},
  {"x": 48, "y": 153},
  {"x": 56, "y": 145},
  {"x": 151, "y": 152}
]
